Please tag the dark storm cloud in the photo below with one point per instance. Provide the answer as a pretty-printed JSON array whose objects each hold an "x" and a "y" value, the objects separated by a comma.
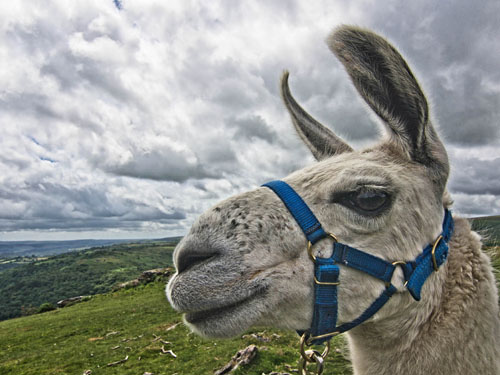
[
  {"x": 476, "y": 177},
  {"x": 59, "y": 207},
  {"x": 157, "y": 165}
]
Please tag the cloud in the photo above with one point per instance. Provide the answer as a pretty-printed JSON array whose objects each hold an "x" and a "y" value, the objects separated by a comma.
[
  {"x": 159, "y": 158},
  {"x": 475, "y": 205},
  {"x": 474, "y": 176},
  {"x": 126, "y": 117},
  {"x": 250, "y": 127}
]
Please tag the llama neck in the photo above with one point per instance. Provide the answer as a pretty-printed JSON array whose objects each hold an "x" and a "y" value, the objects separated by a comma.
[{"x": 455, "y": 329}]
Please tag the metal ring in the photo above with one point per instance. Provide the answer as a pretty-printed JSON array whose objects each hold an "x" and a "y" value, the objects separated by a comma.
[
  {"x": 396, "y": 263},
  {"x": 402, "y": 262},
  {"x": 316, "y": 358},
  {"x": 303, "y": 341},
  {"x": 310, "y": 246},
  {"x": 433, "y": 252}
]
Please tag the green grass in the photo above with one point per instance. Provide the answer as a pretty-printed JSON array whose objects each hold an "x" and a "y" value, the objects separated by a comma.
[{"x": 89, "y": 335}]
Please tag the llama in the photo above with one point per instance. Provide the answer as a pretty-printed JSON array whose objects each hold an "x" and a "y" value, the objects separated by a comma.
[{"x": 244, "y": 262}]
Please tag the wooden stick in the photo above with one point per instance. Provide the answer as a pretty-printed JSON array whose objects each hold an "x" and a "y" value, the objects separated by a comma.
[{"x": 118, "y": 362}]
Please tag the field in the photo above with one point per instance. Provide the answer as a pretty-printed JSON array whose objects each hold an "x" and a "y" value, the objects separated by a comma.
[{"x": 136, "y": 323}]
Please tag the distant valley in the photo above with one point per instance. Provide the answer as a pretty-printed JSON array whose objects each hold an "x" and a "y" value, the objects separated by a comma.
[{"x": 27, "y": 283}]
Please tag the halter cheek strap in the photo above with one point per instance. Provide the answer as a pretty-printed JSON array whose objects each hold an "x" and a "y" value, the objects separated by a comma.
[{"x": 326, "y": 270}]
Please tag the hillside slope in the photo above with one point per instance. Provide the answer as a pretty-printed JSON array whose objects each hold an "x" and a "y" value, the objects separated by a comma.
[
  {"x": 92, "y": 271},
  {"x": 489, "y": 228},
  {"x": 137, "y": 323}
]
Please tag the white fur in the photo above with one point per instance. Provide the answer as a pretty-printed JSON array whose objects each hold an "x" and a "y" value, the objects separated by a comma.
[{"x": 244, "y": 262}]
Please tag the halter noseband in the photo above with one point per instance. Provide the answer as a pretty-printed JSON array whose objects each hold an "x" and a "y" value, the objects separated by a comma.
[{"x": 326, "y": 270}]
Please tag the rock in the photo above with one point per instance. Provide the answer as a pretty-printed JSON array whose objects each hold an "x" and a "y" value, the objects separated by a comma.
[
  {"x": 127, "y": 284},
  {"x": 145, "y": 278},
  {"x": 150, "y": 275},
  {"x": 71, "y": 301},
  {"x": 243, "y": 357}
]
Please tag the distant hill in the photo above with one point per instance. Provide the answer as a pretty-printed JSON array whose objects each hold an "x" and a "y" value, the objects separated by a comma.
[
  {"x": 24, "y": 288},
  {"x": 11, "y": 249}
]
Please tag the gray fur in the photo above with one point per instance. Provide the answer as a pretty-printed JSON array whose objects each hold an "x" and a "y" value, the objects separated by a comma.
[{"x": 244, "y": 262}]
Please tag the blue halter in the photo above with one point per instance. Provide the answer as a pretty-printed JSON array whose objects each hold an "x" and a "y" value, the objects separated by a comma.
[{"x": 326, "y": 270}]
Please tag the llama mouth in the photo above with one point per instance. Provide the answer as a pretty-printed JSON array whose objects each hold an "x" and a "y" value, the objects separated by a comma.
[{"x": 226, "y": 310}]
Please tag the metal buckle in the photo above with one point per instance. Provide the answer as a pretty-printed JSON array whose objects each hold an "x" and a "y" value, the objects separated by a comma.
[
  {"x": 310, "y": 246},
  {"x": 325, "y": 282},
  {"x": 433, "y": 252}
]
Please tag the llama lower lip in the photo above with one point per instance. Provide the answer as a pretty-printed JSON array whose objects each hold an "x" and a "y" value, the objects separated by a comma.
[{"x": 199, "y": 316}]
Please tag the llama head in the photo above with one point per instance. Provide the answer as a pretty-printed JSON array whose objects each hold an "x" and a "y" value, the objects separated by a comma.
[{"x": 244, "y": 262}]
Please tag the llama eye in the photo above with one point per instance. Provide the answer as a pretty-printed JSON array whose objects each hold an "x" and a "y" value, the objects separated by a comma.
[
  {"x": 370, "y": 200},
  {"x": 365, "y": 202}
]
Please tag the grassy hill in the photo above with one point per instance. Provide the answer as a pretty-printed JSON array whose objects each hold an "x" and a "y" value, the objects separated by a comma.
[
  {"x": 93, "y": 271},
  {"x": 489, "y": 228},
  {"x": 137, "y": 323}
]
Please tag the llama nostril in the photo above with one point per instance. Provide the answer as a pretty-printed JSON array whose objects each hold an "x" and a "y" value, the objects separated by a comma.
[{"x": 188, "y": 260}]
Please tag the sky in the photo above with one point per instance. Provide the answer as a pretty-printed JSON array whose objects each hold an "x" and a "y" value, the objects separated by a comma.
[{"x": 127, "y": 119}]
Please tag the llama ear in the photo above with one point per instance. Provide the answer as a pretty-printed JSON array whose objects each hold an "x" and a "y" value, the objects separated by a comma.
[
  {"x": 386, "y": 83},
  {"x": 320, "y": 140}
]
